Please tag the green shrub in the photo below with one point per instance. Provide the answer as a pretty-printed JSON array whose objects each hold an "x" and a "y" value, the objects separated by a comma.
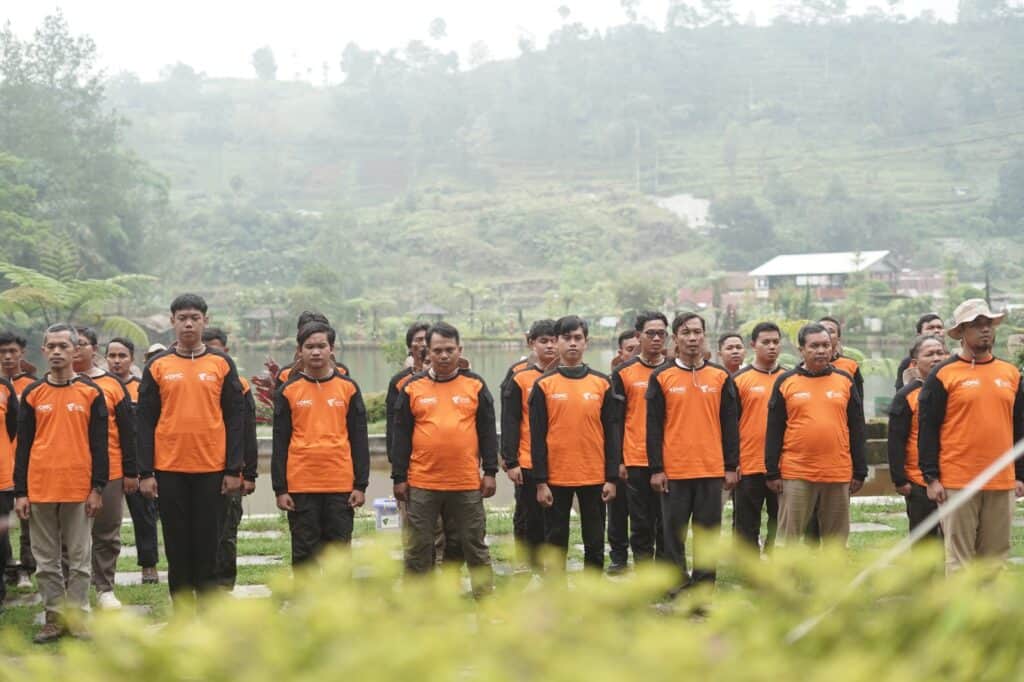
[{"x": 375, "y": 408}]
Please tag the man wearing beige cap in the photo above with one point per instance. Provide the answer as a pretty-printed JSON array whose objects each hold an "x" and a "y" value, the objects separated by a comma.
[{"x": 971, "y": 412}]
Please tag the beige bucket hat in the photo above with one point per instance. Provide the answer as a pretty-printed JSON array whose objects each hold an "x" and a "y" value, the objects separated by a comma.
[{"x": 969, "y": 311}]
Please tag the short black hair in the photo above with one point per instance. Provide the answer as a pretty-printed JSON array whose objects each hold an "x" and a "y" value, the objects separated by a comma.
[
  {"x": 807, "y": 330},
  {"x": 7, "y": 338},
  {"x": 89, "y": 333},
  {"x": 921, "y": 340},
  {"x": 540, "y": 328},
  {"x": 763, "y": 328},
  {"x": 124, "y": 342},
  {"x": 839, "y": 326},
  {"x": 315, "y": 328},
  {"x": 726, "y": 336},
  {"x": 61, "y": 327},
  {"x": 683, "y": 318},
  {"x": 215, "y": 334},
  {"x": 189, "y": 302},
  {"x": 307, "y": 316},
  {"x": 921, "y": 321},
  {"x": 571, "y": 323},
  {"x": 645, "y": 316},
  {"x": 414, "y": 329},
  {"x": 626, "y": 336},
  {"x": 444, "y": 330}
]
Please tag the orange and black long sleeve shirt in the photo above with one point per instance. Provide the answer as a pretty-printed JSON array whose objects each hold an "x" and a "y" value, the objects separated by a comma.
[
  {"x": 251, "y": 447},
  {"x": 62, "y": 441},
  {"x": 445, "y": 432},
  {"x": 516, "y": 366},
  {"x": 692, "y": 421},
  {"x": 121, "y": 440},
  {"x": 574, "y": 439},
  {"x": 132, "y": 387},
  {"x": 903, "y": 430},
  {"x": 754, "y": 388},
  {"x": 9, "y": 413},
  {"x": 851, "y": 367},
  {"x": 515, "y": 417},
  {"x": 22, "y": 381},
  {"x": 815, "y": 428},
  {"x": 630, "y": 381},
  {"x": 320, "y": 436},
  {"x": 286, "y": 372},
  {"x": 396, "y": 384},
  {"x": 970, "y": 414},
  {"x": 191, "y": 414}
]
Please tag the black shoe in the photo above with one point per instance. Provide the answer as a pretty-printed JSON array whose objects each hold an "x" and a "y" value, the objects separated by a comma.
[{"x": 616, "y": 568}]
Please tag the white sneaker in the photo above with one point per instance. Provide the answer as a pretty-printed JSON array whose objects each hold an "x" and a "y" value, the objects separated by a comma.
[
  {"x": 107, "y": 601},
  {"x": 24, "y": 581}
]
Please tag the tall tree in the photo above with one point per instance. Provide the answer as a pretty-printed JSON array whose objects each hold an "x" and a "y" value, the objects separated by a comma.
[{"x": 264, "y": 63}]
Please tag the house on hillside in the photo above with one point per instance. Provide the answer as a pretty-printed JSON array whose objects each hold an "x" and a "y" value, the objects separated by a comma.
[{"x": 825, "y": 273}]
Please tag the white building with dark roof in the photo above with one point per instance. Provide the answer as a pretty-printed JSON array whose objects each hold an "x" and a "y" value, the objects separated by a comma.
[{"x": 826, "y": 273}]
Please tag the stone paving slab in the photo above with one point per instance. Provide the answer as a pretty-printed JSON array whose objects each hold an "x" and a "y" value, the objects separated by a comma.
[
  {"x": 259, "y": 560},
  {"x": 251, "y": 592},
  {"x": 260, "y": 535},
  {"x": 871, "y": 528},
  {"x": 126, "y": 578},
  {"x": 19, "y": 600}
]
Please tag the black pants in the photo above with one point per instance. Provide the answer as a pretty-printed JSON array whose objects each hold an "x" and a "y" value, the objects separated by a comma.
[
  {"x": 227, "y": 548},
  {"x": 191, "y": 513},
  {"x": 748, "y": 499},
  {"x": 531, "y": 534},
  {"x": 143, "y": 511},
  {"x": 319, "y": 520},
  {"x": 591, "y": 508},
  {"x": 618, "y": 526},
  {"x": 699, "y": 500},
  {"x": 28, "y": 562},
  {"x": 6, "y": 505},
  {"x": 645, "y": 536},
  {"x": 919, "y": 507}
]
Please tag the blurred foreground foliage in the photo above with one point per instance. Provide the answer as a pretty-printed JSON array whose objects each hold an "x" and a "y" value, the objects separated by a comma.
[{"x": 356, "y": 617}]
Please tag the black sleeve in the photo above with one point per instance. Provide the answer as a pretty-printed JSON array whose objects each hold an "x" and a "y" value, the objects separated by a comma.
[
  {"x": 124, "y": 418},
  {"x": 538, "y": 406},
  {"x": 619, "y": 389},
  {"x": 147, "y": 416},
  {"x": 511, "y": 422},
  {"x": 858, "y": 437},
  {"x": 900, "y": 422},
  {"x": 389, "y": 413},
  {"x": 858, "y": 384},
  {"x": 778, "y": 418},
  {"x": 729, "y": 422},
  {"x": 359, "y": 441},
  {"x": 12, "y": 413},
  {"x": 402, "y": 443},
  {"x": 282, "y": 441},
  {"x": 904, "y": 365},
  {"x": 251, "y": 453},
  {"x": 98, "y": 433},
  {"x": 931, "y": 412},
  {"x": 26, "y": 436},
  {"x": 232, "y": 406},
  {"x": 487, "y": 431},
  {"x": 1018, "y": 428},
  {"x": 610, "y": 412},
  {"x": 655, "y": 398}
]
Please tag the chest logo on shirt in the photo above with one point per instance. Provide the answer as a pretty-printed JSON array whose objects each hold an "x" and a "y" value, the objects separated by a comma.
[
  {"x": 639, "y": 384},
  {"x": 591, "y": 396},
  {"x": 335, "y": 402},
  {"x": 834, "y": 395},
  {"x": 677, "y": 389},
  {"x": 757, "y": 389},
  {"x": 426, "y": 400},
  {"x": 306, "y": 402},
  {"x": 45, "y": 407},
  {"x": 971, "y": 383},
  {"x": 75, "y": 407},
  {"x": 1002, "y": 383},
  {"x": 802, "y": 395},
  {"x": 206, "y": 376},
  {"x": 174, "y": 376}
]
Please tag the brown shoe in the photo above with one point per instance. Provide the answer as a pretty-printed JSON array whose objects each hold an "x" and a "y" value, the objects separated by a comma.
[
  {"x": 150, "y": 576},
  {"x": 51, "y": 631}
]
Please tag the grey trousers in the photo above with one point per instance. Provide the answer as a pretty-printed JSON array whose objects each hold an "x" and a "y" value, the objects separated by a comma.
[
  {"x": 106, "y": 536},
  {"x": 464, "y": 516},
  {"x": 55, "y": 524},
  {"x": 829, "y": 503}
]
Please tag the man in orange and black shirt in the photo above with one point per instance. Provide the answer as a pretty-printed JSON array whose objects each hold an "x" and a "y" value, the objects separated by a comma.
[
  {"x": 416, "y": 344},
  {"x": 227, "y": 553},
  {"x": 574, "y": 444},
  {"x": 120, "y": 355},
  {"x": 191, "y": 418},
  {"x": 9, "y": 414},
  {"x": 692, "y": 446},
  {"x": 618, "y": 508},
  {"x": 840, "y": 361},
  {"x": 444, "y": 434},
  {"x": 60, "y": 471},
  {"x": 814, "y": 446},
  {"x": 630, "y": 381},
  {"x": 971, "y": 412},
  {"x": 20, "y": 373},
  {"x": 528, "y": 520},
  {"x": 321, "y": 459},
  {"x": 306, "y": 317},
  {"x": 754, "y": 384}
]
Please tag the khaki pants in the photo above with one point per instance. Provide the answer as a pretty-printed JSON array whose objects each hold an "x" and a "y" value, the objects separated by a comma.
[
  {"x": 106, "y": 536},
  {"x": 55, "y": 524},
  {"x": 465, "y": 527},
  {"x": 981, "y": 527},
  {"x": 797, "y": 505}
]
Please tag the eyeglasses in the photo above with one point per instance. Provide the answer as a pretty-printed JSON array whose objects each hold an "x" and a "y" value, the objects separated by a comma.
[{"x": 655, "y": 333}]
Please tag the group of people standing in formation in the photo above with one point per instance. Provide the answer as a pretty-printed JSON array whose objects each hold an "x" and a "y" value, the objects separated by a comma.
[{"x": 654, "y": 445}]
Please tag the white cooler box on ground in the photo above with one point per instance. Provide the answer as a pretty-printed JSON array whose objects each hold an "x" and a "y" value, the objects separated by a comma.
[{"x": 386, "y": 509}]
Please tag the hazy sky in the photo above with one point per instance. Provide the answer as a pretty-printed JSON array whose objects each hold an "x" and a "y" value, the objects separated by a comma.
[{"x": 218, "y": 36}]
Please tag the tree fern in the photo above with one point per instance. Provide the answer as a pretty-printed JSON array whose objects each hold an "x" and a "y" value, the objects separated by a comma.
[{"x": 122, "y": 326}]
